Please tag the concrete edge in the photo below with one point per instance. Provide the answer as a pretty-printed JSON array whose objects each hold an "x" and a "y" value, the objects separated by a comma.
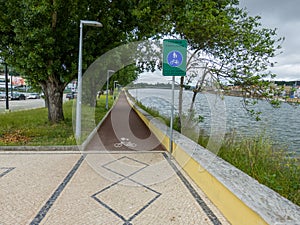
[
  {"x": 238, "y": 196},
  {"x": 40, "y": 148}
]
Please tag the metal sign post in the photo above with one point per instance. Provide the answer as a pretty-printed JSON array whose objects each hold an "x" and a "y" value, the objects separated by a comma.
[
  {"x": 6, "y": 89},
  {"x": 174, "y": 64},
  {"x": 172, "y": 116}
]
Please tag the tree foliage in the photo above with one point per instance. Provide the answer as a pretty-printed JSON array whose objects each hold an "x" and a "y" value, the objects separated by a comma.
[
  {"x": 239, "y": 50},
  {"x": 40, "y": 38},
  {"x": 226, "y": 45},
  {"x": 124, "y": 76}
]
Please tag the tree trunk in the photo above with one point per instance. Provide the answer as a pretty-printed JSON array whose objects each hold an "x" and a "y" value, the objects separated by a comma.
[
  {"x": 198, "y": 88},
  {"x": 193, "y": 100},
  {"x": 54, "y": 100},
  {"x": 46, "y": 99}
]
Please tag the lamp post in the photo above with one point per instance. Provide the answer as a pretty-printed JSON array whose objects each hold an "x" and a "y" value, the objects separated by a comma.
[
  {"x": 6, "y": 89},
  {"x": 79, "y": 81},
  {"x": 115, "y": 83},
  {"x": 11, "y": 85},
  {"x": 107, "y": 83}
]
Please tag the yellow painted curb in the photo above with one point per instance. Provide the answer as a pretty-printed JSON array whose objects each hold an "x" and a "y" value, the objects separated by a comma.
[
  {"x": 235, "y": 211},
  {"x": 233, "y": 208}
]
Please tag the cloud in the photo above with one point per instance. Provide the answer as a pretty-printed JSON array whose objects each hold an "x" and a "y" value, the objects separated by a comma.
[
  {"x": 288, "y": 72},
  {"x": 273, "y": 10},
  {"x": 152, "y": 78},
  {"x": 283, "y": 15}
]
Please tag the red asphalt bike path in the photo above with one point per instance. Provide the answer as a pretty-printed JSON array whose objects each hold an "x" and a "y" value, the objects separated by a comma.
[{"x": 123, "y": 129}]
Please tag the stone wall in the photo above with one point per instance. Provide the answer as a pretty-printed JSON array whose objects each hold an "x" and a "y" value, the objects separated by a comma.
[{"x": 239, "y": 197}]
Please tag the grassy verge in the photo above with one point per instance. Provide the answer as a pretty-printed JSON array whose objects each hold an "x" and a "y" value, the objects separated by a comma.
[
  {"x": 31, "y": 127},
  {"x": 260, "y": 158}
]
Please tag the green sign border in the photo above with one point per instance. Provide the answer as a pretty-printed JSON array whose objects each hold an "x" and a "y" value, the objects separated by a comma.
[{"x": 170, "y": 45}]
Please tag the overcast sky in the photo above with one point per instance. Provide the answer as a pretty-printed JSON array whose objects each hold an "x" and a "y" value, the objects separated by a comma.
[
  {"x": 285, "y": 16},
  {"x": 281, "y": 14}
]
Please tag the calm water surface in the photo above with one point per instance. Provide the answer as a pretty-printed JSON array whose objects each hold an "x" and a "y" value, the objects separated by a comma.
[{"x": 281, "y": 125}]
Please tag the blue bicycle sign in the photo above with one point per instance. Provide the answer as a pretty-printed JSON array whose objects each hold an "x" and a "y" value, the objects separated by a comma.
[{"x": 175, "y": 58}]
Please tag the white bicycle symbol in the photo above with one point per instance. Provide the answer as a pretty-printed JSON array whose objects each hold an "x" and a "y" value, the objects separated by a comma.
[{"x": 125, "y": 142}]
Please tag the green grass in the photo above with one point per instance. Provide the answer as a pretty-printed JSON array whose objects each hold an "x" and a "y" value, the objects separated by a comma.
[
  {"x": 31, "y": 127},
  {"x": 259, "y": 157}
]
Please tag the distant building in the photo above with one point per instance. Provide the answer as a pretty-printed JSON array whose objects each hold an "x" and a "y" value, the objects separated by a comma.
[
  {"x": 13, "y": 81},
  {"x": 297, "y": 92}
]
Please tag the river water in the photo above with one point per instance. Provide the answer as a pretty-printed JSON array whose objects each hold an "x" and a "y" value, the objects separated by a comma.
[{"x": 226, "y": 114}]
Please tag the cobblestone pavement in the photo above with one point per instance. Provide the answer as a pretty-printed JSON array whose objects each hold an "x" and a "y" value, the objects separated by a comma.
[
  {"x": 121, "y": 178},
  {"x": 99, "y": 188}
]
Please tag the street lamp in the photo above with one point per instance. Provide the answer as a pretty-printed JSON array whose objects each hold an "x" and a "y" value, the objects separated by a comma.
[
  {"x": 115, "y": 83},
  {"x": 6, "y": 89},
  {"x": 79, "y": 82},
  {"x": 107, "y": 82}
]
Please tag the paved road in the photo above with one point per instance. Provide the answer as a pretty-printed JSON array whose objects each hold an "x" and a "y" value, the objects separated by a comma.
[
  {"x": 136, "y": 183},
  {"x": 124, "y": 130},
  {"x": 17, "y": 105}
]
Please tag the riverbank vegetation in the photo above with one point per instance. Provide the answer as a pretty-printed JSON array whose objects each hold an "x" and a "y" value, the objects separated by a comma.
[
  {"x": 32, "y": 128},
  {"x": 258, "y": 156},
  {"x": 262, "y": 159}
]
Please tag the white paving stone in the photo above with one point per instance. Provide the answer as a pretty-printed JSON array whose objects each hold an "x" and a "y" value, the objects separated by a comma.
[{"x": 141, "y": 188}]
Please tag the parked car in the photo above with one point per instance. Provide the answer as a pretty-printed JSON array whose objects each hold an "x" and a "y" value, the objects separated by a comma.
[
  {"x": 34, "y": 96},
  {"x": 18, "y": 96},
  {"x": 71, "y": 95},
  {"x": 2, "y": 95}
]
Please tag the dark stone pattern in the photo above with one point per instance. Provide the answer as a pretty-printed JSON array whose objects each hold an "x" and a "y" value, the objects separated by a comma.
[
  {"x": 44, "y": 210},
  {"x": 194, "y": 193},
  {"x": 6, "y": 170},
  {"x": 118, "y": 214}
]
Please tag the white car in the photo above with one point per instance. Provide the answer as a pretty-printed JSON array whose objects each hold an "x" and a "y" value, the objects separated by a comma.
[{"x": 33, "y": 96}]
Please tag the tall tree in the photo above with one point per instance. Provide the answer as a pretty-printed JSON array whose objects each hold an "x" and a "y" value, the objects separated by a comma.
[
  {"x": 225, "y": 43},
  {"x": 230, "y": 46},
  {"x": 40, "y": 39}
]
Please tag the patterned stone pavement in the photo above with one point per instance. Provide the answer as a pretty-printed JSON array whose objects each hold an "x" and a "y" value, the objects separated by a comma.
[
  {"x": 121, "y": 178},
  {"x": 99, "y": 188}
]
